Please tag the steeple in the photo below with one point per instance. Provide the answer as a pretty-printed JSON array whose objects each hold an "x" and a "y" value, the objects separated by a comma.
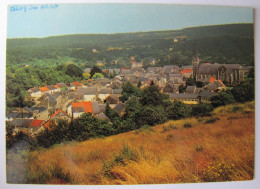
[{"x": 195, "y": 62}]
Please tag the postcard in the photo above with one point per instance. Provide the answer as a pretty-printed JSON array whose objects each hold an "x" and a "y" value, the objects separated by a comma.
[{"x": 129, "y": 94}]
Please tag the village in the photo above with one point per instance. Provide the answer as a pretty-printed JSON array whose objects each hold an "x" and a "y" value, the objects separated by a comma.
[{"x": 70, "y": 101}]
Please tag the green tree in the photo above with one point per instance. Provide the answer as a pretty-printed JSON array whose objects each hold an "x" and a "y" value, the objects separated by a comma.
[
  {"x": 223, "y": 98},
  {"x": 95, "y": 70},
  {"x": 74, "y": 70},
  {"x": 178, "y": 110},
  {"x": 201, "y": 110},
  {"x": 152, "y": 96},
  {"x": 150, "y": 115},
  {"x": 128, "y": 90},
  {"x": 97, "y": 76},
  {"x": 243, "y": 92}
]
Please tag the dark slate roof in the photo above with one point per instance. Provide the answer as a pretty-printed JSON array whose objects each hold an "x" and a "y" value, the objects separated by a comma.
[
  {"x": 88, "y": 91},
  {"x": 190, "y": 89},
  {"x": 183, "y": 96},
  {"x": 28, "y": 109},
  {"x": 105, "y": 91},
  {"x": 21, "y": 122},
  {"x": 56, "y": 95},
  {"x": 62, "y": 85},
  {"x": 207, "y": 94},
  {"x": 51, "y": 87},
  {"x": 213, "y": 68},
  {"x": 211, "y": 86},
  {"x": 119, "y": 108},
  {"x": 208, "y": 68},
  {"x": 19, "y": 115},
  {"x": 39, "y": 108}
]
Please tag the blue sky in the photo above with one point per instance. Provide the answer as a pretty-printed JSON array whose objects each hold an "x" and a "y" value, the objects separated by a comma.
[{"x": 62, "y": 19}]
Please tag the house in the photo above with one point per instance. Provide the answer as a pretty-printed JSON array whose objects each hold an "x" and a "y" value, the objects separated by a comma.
[
  {"x": 51, "y": 88},
  {"x": 216, "y": 86},
  {"x": 21, "y": 125},
  {"x": 103, "y": 93},
  {"x": 55, "y": 117},
  {"x": 205, "y": 96},
  {"x": 36, "y": 126},
  {"x": 47, "y": 101},
  {"x": 169, "y": 89},
  {"x": 193, "y": 89},
  {"x": 167, "y": 69},
  {"x": 57, "y": 88},
  {"x": 185, "y": 98},
  {"x": 20, "y": 114},
  {"x": 89, "y": 94},
  {"x": 111, "y": 100},
  {"x": 120, "y": 109},
  {"x": 44, "y": 90},
  {"x": 137, "y": 64},
  {"x": 40, "y": 112},
  {"x": 186, "y": 72},
  {"x": 62, "y": 86},
  {"x": 76, "y": 109},
  {"x": 75, "y": 85},
  {"x": 35, "y": 92}
]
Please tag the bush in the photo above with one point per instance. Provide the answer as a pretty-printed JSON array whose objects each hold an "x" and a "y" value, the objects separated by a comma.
[
  {"x": 201, "y": 110},
  {"x": 187, "y": 125},
  {"x": 168, "y": 128},
  {"x": 211, "y": 120}
]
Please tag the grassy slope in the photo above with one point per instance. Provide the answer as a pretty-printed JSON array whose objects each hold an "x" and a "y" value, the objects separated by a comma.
[{"x": 167, "y": 153}]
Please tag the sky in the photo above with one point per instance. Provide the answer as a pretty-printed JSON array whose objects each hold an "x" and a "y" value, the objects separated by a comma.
[{"x": 61, "y": 19}]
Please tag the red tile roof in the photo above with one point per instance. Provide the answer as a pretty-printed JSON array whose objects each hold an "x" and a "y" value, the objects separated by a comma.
[
  {"x": 57, "y": 112},
  {"x": 212, "y": 79},
  {"x": 186, "y": 70},
  {"x": 76, "y": 83},
  {"x": 56, "y": 86},
  {"x": 87, "y": 106},
  {"x": 44, "y": 89},
  {"x": 36, "y": 123}
]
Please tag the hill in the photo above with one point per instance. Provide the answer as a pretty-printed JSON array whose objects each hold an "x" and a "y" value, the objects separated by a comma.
[
  {"x": 232, "y": 43},
  {"x": 209, "y": 149}
]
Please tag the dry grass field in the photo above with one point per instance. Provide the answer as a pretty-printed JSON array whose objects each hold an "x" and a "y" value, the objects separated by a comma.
[{"x": 217, "y": 148}]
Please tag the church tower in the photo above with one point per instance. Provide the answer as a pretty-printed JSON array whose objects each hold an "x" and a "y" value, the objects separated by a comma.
[{"x": 195, "y": 63}]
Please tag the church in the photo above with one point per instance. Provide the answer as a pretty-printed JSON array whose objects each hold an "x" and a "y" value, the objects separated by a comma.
[{"x": 228, "y": 73}]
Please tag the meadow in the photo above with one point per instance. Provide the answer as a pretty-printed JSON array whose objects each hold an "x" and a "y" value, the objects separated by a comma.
[{"x": 203, "y": 149}]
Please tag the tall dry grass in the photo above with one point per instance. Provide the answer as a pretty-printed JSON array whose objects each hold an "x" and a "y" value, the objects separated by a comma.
[{"x": 167, "y": 153}]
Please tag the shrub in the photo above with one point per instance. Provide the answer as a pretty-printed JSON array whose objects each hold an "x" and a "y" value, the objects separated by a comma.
[
  {"x": 198, "y": 147},
  {"x": 168, "y": 128},
  {"x": 212, "y": 120},
  {"x": 146, "y": 128},
  {"x": 125, "y": 155},
  {"x": 201, "y": 110},
  {"x": 187, "y": 125},
  {"x": 218, "y": 171},
  {"x": 169, "y": 137}
]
